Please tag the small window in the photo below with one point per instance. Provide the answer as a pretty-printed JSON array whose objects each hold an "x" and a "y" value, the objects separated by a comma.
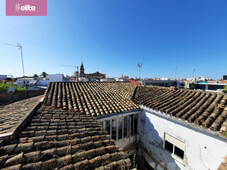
[
  {"x": 179, "y": 152},
  {"x": 169, "y": 146},
  {"x": 175, "y": 147}
]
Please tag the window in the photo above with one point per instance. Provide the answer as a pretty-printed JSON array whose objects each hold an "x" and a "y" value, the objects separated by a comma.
[
  {"x": 169, "y": 146},
  {"x": 120, "y": 122},
  {"x": 121, "y": 127},
  {"x": 132, "y": 124},
  {"x": 114, "y": 125},
  {"x": 175, "y": 147},
  {"x": 107, "y": 126},
  {"x": 179, "y": 152},
  {"x": 125, "y": 126},
  {"x": 135, "y": 123}
]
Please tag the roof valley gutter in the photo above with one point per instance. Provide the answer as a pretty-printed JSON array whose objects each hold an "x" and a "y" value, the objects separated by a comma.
[{"x": 134, "y": 93}]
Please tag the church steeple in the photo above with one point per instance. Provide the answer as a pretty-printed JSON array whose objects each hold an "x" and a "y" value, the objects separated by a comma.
[{"x": 82, "y": 70}]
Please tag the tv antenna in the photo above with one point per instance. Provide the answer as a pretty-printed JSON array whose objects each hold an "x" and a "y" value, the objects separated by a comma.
[
  {"x": 193, "y": 73},
  {"x": 139, "y": 65},
  {"x": 19, "y": 46}
]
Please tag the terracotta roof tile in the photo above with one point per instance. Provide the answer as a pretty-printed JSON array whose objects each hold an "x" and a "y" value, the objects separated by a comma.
[
  {"x": 202, "y": 108},
  {"x": 15, "y": 112},
  {"x": 95, "y": 99},
  {"x": 53, "y": 145}
]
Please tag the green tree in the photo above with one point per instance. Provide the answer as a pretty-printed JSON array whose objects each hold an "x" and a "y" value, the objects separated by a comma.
[
  {"x": 225, "y": 90},
  {"x": 44, "y": 74},
  {"x": 35, "y": 75},
  {"x": 192, "y": 85}
]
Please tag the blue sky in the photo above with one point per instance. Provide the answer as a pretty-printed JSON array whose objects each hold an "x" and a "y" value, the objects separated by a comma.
[{"x": 112, "y": 36}]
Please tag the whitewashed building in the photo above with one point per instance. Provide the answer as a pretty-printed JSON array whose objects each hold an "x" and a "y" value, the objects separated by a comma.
[
  {"x": 177, "y": 145},
  {"x": 50, "y": 78},
  {"x": 181, "y": 129},
  {"x": 24, "y": 81}
]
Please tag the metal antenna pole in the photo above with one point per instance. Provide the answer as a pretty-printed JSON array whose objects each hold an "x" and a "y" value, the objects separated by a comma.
[
  {"x": 193, "y": 73},
  {"x": 139, "y": 65},
  {"x": 139, "y": 73},
  {"x": 20, "y": 47}
]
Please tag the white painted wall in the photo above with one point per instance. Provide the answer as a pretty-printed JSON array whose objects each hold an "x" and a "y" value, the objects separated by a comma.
[
  {"x": 83, "y": 79},
  {"x": 50, "y": 78},
  {"x": 43, "y": 83},
  {"x": 55, "y": 77},
  {"x": 23, "y": 81},
  {"x": 202, "y": 150}
]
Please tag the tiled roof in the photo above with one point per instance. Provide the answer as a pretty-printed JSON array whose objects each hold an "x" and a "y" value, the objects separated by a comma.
[
  {"x": 201, "y": 108},
  {"x": 62, "y": 140},
  {"x": 12, "y": 113},
  {"x": 94, "y": 98}
]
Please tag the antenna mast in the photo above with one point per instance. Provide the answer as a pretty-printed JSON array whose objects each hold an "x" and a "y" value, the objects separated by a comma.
[
  {"x": 19, "y": 48},
  {"x": 139, "y": 65},
  {"x": 193, "y": 73}
]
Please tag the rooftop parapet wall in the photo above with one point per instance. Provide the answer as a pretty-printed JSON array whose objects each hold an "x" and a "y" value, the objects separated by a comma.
[
  {"x": 15, "y": 113},
  {"x": 19, "y": 95}
]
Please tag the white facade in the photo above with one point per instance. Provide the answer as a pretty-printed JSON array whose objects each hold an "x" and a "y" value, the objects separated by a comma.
[
  {"x": 83, "y": 79},
  {"x": 103, "y": 80},
  {"x": 55, "y": 77},
  {"x": 119, "y": 79},
  {"x": 24, "y": 81},
  {"x": 164, "y": 78},
  {"x": 202, "y": 150},
  {"x": 50, "y": 78},
  {"x": 200, "y": 78}
]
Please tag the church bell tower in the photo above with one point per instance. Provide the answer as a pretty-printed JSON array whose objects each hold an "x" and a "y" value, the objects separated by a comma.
[{"x": 82, "y": 70}]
